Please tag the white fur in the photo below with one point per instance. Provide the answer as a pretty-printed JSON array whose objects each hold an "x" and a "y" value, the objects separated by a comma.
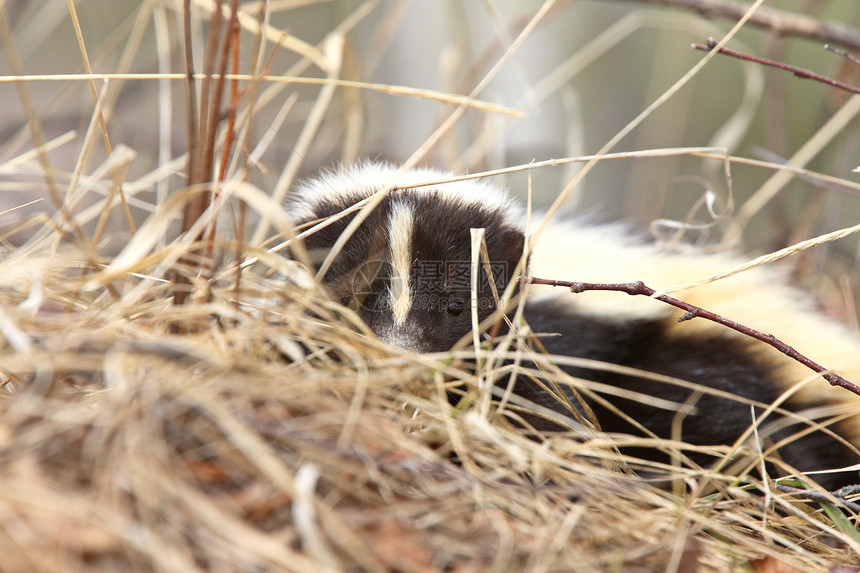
[
  {"x": 400, "y": 222},
  {"x": 363, "y": 179}
]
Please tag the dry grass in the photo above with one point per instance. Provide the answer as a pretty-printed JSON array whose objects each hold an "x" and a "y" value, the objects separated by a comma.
[{"x": 254, "y": 427}]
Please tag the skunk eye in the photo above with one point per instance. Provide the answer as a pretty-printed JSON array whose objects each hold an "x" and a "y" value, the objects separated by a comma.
[{"x": 456, "y": 307}]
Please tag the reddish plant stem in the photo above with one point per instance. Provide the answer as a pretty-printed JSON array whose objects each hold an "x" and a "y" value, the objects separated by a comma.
[
  {"x": 191, "y": 95},
  {"x": 181, "y": 283},
  {"x": 711, "y": 43},
  {"x": 843, "y": 53},
  {"x": 692, "y": 311},
  {"x": 234, "y": 96},
  {"x": 230, "y": 45}
]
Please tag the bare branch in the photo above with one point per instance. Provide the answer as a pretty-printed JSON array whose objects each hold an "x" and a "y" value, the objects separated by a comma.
[
  {"x": 843, "y": 53},
  {"x": 711, "y": 43},
  {"x": 819, "y": 497},
  {"x": 780, "y": 22},
  {"x": 692, "y": 311}
]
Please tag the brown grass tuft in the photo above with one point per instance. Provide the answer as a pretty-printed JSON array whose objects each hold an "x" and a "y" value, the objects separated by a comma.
[{"x": 271, "y": 433}]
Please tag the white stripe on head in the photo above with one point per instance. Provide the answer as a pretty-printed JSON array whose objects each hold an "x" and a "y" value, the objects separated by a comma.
[{"x": 400, "y": 222}]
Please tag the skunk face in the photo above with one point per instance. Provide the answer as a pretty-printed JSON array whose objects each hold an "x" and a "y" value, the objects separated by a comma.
[{"x": 407, "y": 268}]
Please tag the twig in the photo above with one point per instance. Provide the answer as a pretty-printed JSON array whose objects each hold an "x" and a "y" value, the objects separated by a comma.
[
  {"x": 847, "y": 490},
  {"x": 229, "y": 44},
  {"x": 191, "y": 95},
  {"x": 181, "y": 282},
  {"x": 844, "y": 53},
  {"x": 711, "y": 43},
  {"x": 820, "y": 497},
  {"x": 205, "y": 115},
  {"x": 780, "y": 22},
  {"x": 692, "y": 311},
  {"x": 234, "y": 97}
]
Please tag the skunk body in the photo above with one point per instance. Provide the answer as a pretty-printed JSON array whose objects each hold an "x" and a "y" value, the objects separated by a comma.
[{"x": 406, "y": 272}]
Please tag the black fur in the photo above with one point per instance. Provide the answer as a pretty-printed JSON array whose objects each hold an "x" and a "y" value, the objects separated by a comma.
[
  {"x": 439, "y": 317},
  {"x": 718, "y": 361}
]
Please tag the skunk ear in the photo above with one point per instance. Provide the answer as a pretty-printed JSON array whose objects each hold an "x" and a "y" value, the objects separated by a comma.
[{"x": 508, "y": 247}]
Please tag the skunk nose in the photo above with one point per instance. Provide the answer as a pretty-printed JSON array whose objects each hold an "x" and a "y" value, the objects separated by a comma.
[{"x": 408, "y": 336}]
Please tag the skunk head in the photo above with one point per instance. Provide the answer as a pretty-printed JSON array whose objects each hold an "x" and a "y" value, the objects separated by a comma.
[{"x": 407, "y": 268}]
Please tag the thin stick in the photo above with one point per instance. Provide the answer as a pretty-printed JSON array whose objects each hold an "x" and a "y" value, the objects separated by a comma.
[
  {"x": 101, "y": 119},
  {"x": 639, "y": 288},
  {"x": 820, "y": 497},
  {"x": 781, "y": 22},
  {"x": 711, "y": 43},
  {"x": 191, "y": 95},
  {"x": 843, "y": 53},
  {"x": 389, "y": 89},
  {"x": 215, "y": 115}
]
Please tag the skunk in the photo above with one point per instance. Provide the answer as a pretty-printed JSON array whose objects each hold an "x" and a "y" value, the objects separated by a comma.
[{"x": 406, "y": 271}]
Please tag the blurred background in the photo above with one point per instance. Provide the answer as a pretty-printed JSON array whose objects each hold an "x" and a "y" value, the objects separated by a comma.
[{"x": 581, "y": 74}]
